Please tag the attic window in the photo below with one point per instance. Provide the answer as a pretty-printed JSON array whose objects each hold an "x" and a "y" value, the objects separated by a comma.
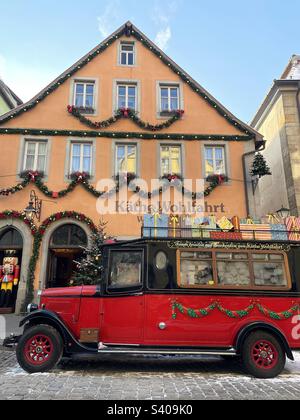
[{"x": 127, "y": 54}]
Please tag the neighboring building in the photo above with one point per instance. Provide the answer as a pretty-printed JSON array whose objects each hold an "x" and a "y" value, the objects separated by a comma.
[
  {"x": 8, "y": 99},
  {"x": 126, "y": 71},
  {"x": 278, "y": 120}
]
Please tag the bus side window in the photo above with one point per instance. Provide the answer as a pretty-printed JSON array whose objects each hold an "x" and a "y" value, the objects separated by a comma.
[{"x": 269, "y": 270}]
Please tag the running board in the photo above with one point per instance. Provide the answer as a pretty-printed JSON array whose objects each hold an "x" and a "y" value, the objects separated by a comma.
[{"x": 162, "y": 351}]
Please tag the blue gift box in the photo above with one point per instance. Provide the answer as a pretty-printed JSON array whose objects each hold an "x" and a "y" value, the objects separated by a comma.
[
  {"x": 279, "y": 232},
  {"x": 160, "y": 230}
]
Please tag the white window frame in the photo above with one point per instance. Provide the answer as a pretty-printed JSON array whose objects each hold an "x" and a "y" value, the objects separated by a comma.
[
  {"x": 127, "y": 86},
  {"x": 214, "y": 147},
  {"x": 85, "y": 83},
  {"x": 36, "y": 154},
  {"x": 81, "y": 144},
  {"x": 131, "y": 44},
  {"x": 169, "y": 87},
  {"x": 126, "y": 145},
  {"x": 170, "y": 160}
]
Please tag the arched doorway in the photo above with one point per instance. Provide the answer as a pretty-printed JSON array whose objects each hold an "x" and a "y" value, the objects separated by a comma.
[
  {"x": 11, "y": 252},
  {"x": 66, "y": 246}
]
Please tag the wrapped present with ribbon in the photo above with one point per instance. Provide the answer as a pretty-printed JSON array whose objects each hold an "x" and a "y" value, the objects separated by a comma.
[
  {"x": 225, "y": 224},
  {"x": 228, "y": 236},
  {"x": 250, "y": 221},
  {"x": 236, "y": 223},
  {"x": 156, "y": 225},
  {"x": 197, "y": 223},
  {"x": 279, "y": 232},
  {"x": 293, "y": 227},
  {"x": 272, "y": 219},
  {"x": 186, "y": 226},
  {"x": 256, "y": 232},
  {"x": 174, "y": 226},
  {"x": 209, "y": 224}
]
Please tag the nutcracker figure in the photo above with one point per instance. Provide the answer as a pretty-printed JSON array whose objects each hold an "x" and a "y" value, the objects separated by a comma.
[{"x": 9, "y": 279}]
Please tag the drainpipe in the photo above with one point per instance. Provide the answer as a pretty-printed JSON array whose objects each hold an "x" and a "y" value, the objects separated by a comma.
[{"x": 260, "y": 149}]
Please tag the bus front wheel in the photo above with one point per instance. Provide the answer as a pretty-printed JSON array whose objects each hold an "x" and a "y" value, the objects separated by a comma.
[{"x": 40, "y": 349}]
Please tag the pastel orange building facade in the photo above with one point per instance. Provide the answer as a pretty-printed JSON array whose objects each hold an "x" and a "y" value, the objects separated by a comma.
[{"x": 125, "y": 73}]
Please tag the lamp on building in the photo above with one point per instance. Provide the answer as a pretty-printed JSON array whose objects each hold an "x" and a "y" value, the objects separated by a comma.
[
  {"x": 283, "y": 212},
  {"x": 34, "y": 207}
]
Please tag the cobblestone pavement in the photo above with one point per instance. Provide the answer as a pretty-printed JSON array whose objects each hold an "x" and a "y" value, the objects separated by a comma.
[{"x": 145, "y": 378}]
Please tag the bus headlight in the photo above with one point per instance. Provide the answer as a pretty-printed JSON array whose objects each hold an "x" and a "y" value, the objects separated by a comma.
[{"x": 32, "y": 307}]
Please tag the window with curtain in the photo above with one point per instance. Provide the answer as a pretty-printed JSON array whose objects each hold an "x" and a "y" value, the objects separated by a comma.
[
  {"x": 84, "y": 95},
  {"x": 126, "y": 159},
  {"x": 170, "y": 157},
  {"x": 215, "y": 160},
  {"x": 127, "y": 96},
  {"x": 35, "y": 156},
  {"x": 81, "y": 158}
]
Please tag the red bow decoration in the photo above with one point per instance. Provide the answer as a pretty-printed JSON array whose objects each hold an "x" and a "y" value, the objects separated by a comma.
[
  {"x": 70, "y": 109},
  {"x": 125, "y": 112},
  {"x": 33, "y": 175},
  {"x": 221, "y": 179},
  {"x": 180, "y": 112}
]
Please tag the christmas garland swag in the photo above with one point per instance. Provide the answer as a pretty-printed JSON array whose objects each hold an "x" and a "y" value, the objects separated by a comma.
[{"x": 177, "y": 307}]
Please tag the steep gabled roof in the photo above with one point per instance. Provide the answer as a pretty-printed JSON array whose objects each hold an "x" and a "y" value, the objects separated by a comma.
[
  {"x": 130, "y": 30},
  {"x": 10, "y": 98}
]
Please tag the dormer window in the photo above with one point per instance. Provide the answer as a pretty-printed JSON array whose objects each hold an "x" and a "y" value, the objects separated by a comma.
[
  {"x": 127, "y": 54},
  {"x": 84, "y": 96}
]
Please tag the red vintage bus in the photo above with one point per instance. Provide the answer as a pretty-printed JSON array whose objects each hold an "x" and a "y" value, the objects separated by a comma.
[{"x": 175, "y": 296}]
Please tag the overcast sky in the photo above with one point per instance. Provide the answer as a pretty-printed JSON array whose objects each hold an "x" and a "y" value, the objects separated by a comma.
[{"x": 234, "y": 48}]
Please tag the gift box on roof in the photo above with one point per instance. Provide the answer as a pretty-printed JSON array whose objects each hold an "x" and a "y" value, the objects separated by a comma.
[
  {"x": 293, "y": 227},
  {"x": 174, "y": 226},
  {"x": 250, "y": 221},
  {"x": 186, "y": 226},
  {"x": 209, "y": 224},
  {"x": 279, "y": 232},
  {"x": 272, "y": 219},
  {"x": 256, "y": 232},
  {"x": 197, "y": 227},
  {"x": 228, "y": 236},
  {"x": 156, "y": 225},
  {"x": 225, "y": 224},
  {"x": 236, "y": 223}
]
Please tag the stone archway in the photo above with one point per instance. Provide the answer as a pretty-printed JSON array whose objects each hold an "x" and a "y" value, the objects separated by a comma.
[
  {"x": 46, "y": 245},
  {"x": 27, "y": 239}
]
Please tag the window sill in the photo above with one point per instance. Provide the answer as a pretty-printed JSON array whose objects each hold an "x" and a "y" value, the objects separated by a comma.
[
  {"x": 86, "y": 111},
  {"x": 167, "y": 114}
]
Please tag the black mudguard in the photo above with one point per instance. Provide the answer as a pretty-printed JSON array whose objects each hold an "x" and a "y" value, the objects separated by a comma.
[
  {"x": 72, "y": 346},
  {"x": 265, "y": 327}
]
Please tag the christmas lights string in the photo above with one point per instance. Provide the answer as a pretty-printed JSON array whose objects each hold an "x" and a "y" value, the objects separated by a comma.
[{"x": 129, "y": 31}]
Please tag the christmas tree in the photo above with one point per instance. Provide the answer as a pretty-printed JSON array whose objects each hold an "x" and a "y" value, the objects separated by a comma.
[
  {"x": 90, "y": 269},
  {"x": 260, "y": 167}
]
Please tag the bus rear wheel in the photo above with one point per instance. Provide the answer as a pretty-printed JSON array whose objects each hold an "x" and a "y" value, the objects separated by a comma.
[
  {"x": 40, "y": 349},
  {"x": 263, "y": 355}
]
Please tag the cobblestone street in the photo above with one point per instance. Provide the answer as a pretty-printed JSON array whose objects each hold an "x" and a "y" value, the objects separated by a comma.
[{"x": 139, "y": 378}]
